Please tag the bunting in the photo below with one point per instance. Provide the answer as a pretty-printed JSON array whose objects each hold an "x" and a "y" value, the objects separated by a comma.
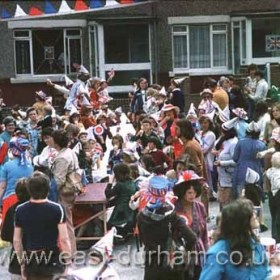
[
  {"x": 64, "y": 8},
  {"x": 34, "y": 11},
  {"x": 80, "y": 5},
  {"x": 19, "y": 12}
]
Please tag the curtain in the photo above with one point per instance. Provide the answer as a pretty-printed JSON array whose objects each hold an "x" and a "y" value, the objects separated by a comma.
[
  {"x": 180, "y": 51},
  {"x": 200, "y": 46},
  {"x": 219, "y": 50}
]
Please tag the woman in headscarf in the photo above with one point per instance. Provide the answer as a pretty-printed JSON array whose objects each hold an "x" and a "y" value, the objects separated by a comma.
[{"x": 13, "y": 170}]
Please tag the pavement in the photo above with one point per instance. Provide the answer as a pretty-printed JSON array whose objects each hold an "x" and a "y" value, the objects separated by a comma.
[{"x": 127, "y": 261}]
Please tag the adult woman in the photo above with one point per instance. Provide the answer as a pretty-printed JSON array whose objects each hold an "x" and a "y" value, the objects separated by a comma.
[
  {"x": 13, "y": 170},
  {"x": 208, "y": 139},
  {"x": 158, "y": 223},
  {"x": 237, "y": 254},
  {"x": 64, "y": 163},
  {"x": 275, "y": 122},
  {"x": 261, "y": 117},
  {"x": 187, "y": 189},
  {"x": 224, "y": 150},
  {"x": 245, "y": 155}
]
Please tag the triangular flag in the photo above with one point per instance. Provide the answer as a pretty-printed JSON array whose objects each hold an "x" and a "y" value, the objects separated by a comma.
[
  {"x": 126, "y": 1},
  {"x": 80, "y": 5},
  {"x": 64, "y": 8},
  {"x": 49, "y": 8},
  {"x": 111, "y": 3},
  {"x": 34, "y": 11},
  {"x": 5, "y": 13},
  {"x": 19, "y": 12},
  {"x": 96, "y": 4}
]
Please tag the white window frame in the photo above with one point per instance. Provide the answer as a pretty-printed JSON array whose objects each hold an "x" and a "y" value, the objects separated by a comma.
[
  {"x": 29, "y": 25},
  {"x": 105, "y": 67},
  {"x": 211, "y": 21}
]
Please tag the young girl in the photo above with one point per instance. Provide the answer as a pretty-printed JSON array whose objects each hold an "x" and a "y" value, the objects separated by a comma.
[
  {"x": 123, "y": 218},
  {"x": 115, "y": 155}
]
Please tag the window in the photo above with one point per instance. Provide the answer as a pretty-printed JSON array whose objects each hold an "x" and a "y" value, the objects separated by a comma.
[
  {"x": 126, "y": 43},
  {"x": 265, "y": 37},
  {"x": 47, "y": 51},
  {"x": 200, "y": 46}
]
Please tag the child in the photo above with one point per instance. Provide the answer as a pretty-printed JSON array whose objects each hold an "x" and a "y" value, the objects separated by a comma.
[
  {"x": 115, "y": 155},
  {"x": 123, "y": 218}
]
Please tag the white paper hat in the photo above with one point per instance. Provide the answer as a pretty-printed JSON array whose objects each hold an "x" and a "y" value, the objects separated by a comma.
[
  {"x": 240, "y": 113},
  {"x": 162, "y": 91},
  {"x": 73, "y": 111},
  {"x": 206, "y": 91},
  {"x": 192, "y": 111},
  {"x": 83, "y": 70},
  {"x": 180, "y": 80},
  {"x": 253, "y": 127},
  {"x": 68, "y": 81},
  {"x": 229, "y": 124},
  {"x": 211, "y": 115},
  {"x": 252, "y": 177}
]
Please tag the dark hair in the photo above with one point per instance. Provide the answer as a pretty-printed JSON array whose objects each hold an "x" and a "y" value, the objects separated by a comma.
[
  {"x": 21, "y": 190},
  {"x": 236, "y": 229},
  {"x": 259, "y": 73},
  {"x": 252, "y": 66},
  {"x": 260, "y": 109},
  {"x": 148, "y": 161},
  {"x": 60, "y": 138},
  {"x": 134, "y": 171},
  {"x": 155, "y": 141},
  {"x": 118, "y": 138},
  {"x": 7, "y": 120},
  {"x": 206, "y": 118},
  {"x": 30, "y": 109},
  {"x": 228, "y": 134},
  {"x": 210, "y": 83},
  {"x": 253, "y": 134},
  {"x": 71, "y": 118},
  {"x": 38, "y": 185},
  {"x": 146, "y": 120},
  {"x": 141, "y": 80},
  {"x": 186, "y": 128},
  {"x": 180, "y": 189},
  {"x": 73, "y": 129},
  {"x": 47, "y": 131},
  {"x": 231, "y": 78},
  {"x": 253, "y": 192},
  {"x": 122, "y": 172},
  {"x": 186, "y": 160}
]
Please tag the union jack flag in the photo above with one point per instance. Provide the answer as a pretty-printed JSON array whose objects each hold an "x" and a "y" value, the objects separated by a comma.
[{"x": 272, "y": 43}]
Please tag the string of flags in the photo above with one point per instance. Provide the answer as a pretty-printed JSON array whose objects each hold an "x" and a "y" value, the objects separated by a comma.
[{"x": 64, "y": 8}]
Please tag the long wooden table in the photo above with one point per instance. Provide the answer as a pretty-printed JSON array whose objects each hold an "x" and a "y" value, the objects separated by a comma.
[{"x": 94, "y": 195}]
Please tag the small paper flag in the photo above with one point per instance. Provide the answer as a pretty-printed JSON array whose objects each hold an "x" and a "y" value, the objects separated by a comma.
[
  {"x": 64, "y": 8},
  {"x": 49, "y": 8},
  {"x": 19, "y": 12},
  {"x": 34, "y": 11},
  {"x": 111, "y": 3},
  {"x": 5, "y": 13},
  {"x": 96, "y": 4},
  {"x": 80, "y": 5}
]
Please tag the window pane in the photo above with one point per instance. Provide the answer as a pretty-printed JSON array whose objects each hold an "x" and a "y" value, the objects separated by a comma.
[
  {"x": 126, "y": 43},
  {"x": 219, "y": 27},
  {"x": 180, "y": 52},
  {"x": 73, "y": 32},
  {"x": 219, "y": 50},
  {"x": 21, "y": 33},
  {"x": 266, "y": 37},
  {"x": 179, "y": 28},
  {"x": 23, "y": 57},
  {"x": 199, "y": 47},
  {"x": 75, "y": 54},
  {"x": 48, "y": 51}
]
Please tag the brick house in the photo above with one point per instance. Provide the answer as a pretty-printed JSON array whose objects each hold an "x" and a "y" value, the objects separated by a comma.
[{"x": 156, "y": 39}]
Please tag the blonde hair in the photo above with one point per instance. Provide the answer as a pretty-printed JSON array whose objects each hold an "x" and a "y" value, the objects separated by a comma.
[{"x": 275, "y": 160}]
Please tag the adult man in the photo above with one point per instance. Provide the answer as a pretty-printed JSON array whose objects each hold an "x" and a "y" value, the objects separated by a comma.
[
  {"x": 32, "y": 130},
  {"x": 220, "y": 96},
  {"x": 261, "y": 89},
  {"x": 39, "y": 224}
]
